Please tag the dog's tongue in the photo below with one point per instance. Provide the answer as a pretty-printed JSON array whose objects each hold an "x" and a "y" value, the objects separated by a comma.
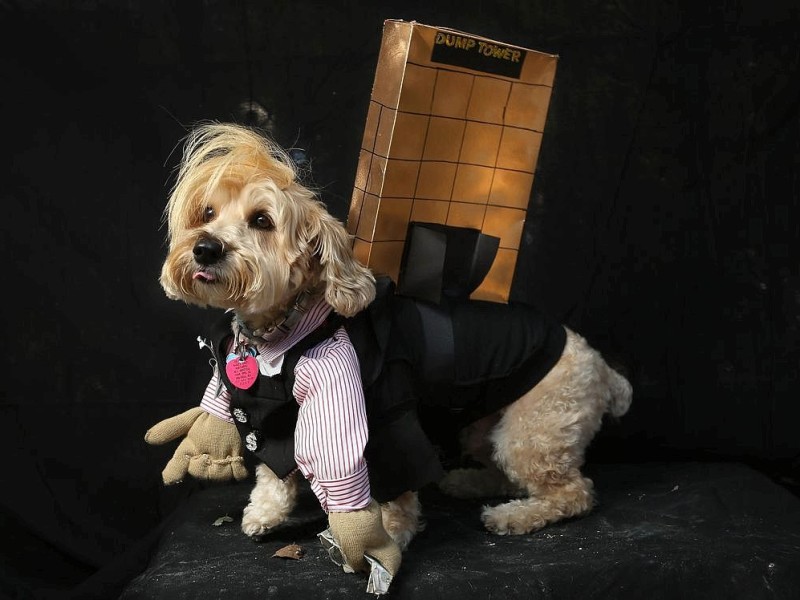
[{"x": 204, "y": 276}]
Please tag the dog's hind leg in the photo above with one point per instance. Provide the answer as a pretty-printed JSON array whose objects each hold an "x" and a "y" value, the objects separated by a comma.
[
  {"x": 540, "y": 442},
  {"x": 547, "y": 466},
  {"x": 271, "y": 501},
  {"x": 402, "y": 518}
]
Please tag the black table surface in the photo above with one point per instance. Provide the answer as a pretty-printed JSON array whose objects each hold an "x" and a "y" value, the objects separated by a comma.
[{"x": 660, "y": 530}]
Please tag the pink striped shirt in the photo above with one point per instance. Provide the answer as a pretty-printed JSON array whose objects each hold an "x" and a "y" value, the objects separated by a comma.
[{"x": 331, "y": 431}]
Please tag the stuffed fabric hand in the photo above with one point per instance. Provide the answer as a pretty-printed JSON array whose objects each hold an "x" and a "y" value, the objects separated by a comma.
[
  {"x": 211, "y": 450},
  {"x": 361, "y": 532}
]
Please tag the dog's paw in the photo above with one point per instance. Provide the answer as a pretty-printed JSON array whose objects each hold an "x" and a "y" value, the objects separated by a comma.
[
  {"x": 257, "y": 522},
  {"x": 466, "y": 484},
  {"x": 402, "y": 518},
  {"x": 478, "y": 483},
  {"x": 402, "y": 528},
  {"x": 512, "y": 518},
  {"x": 452, "y": 484}
]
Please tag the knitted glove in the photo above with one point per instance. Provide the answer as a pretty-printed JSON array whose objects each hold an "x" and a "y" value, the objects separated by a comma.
[
  {"x": 211, "y": 450},
  {"x": 361, "y": 532}
]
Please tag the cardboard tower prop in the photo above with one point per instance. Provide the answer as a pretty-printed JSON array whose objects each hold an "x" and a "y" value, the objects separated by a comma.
[{"x": 447, "y": 160}]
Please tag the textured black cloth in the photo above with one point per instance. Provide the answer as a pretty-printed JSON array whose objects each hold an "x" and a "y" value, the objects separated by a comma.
[{"x": 661, "y": 531}]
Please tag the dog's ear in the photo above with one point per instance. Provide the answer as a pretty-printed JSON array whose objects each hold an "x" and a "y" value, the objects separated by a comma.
[{"x": 349, "y": 285}]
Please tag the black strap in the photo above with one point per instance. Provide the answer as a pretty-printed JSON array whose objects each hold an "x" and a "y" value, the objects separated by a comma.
[{"x": 437, "y": 327}]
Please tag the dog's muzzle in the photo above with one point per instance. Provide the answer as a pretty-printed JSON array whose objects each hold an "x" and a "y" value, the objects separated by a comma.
[{"x": 207, "y": 251}]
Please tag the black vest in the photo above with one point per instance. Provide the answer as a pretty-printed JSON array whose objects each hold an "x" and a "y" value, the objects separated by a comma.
[{"x": 426, "y": 370}]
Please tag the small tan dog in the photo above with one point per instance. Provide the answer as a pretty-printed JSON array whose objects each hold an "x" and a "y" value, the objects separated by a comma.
[{"x": 244, "y": 235}]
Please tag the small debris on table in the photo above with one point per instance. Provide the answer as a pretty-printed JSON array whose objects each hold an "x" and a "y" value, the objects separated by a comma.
[
  {"x": 293, "y": 551},
  {"x": 221, "y": 520}
]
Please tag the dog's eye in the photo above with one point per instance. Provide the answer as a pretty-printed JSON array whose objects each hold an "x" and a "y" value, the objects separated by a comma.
[
  {"x": 208, "y": 214},
  {"x": 261, "y": 221}
]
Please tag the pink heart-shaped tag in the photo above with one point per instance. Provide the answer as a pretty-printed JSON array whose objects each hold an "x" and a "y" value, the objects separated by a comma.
[{"x": 242, "y": 373}]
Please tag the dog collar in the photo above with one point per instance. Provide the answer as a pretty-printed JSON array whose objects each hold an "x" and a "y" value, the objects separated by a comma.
[{"x": 285, "y": 324}]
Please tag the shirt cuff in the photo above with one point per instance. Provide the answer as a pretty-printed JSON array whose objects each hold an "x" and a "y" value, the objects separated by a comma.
[
  {"x": 217, "y": 404},
  {"x": 349, "y": 493}
]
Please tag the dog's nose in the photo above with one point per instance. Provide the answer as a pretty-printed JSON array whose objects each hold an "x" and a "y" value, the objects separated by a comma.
[{"x": 207, "y": 251}]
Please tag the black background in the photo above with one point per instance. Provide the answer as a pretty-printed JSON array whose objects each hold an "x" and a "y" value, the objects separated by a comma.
[{"x": 663, "y": 225}]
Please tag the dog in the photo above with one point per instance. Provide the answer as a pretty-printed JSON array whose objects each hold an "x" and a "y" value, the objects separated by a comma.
[{"x": 246, "y": 236}]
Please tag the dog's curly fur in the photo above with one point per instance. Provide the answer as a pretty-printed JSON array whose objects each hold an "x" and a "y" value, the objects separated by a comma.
[{"x": 240, "y": 190}]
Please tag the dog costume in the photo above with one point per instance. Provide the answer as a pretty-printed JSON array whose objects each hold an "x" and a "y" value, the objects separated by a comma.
[
  {"x": 465, "y": 359},
  {"x": 247, "y": 237}
]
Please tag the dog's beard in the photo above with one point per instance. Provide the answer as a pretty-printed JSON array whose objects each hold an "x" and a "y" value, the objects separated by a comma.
[{"x": 251, "y": 281}]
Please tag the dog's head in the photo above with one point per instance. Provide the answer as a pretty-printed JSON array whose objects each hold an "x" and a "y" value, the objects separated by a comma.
[{"x": 245, "y": 235}]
